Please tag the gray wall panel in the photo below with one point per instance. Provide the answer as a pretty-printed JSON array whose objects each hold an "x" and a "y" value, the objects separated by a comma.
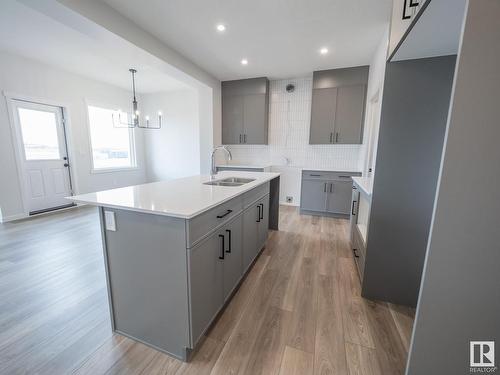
[
  {"x": 414, "y": 114},
  {"x": 460, "y": 298}
]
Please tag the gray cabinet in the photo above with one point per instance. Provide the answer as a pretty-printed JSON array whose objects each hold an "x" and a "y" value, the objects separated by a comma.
[
  {"x": 206, "y": 282},
  {"x": 245, "y": 111},
  {"x": 233, "y": 255},
  {"x": 338, "y": 106},
  {"x": 339, "y": 197},
  {"x": 326, "y": 193},
  {"x": 313, "y": 195},
  {"x": 255, "y": 229},
  {"x": 349, "y": 114},
  {"x": 323, "y": 108}
]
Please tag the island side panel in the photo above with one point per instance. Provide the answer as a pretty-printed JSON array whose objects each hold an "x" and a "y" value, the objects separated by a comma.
[
  {"x": 147, "y": 279},
  {"x": 274, "y": 203}
]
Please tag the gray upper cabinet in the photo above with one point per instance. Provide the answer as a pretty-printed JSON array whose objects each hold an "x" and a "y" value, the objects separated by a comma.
[
  {"x": 324, "y": 103},
  {"x": 338, "y": 106},
  {"x": 349, "y": 117},
  {"x": 245, "y": 111}
]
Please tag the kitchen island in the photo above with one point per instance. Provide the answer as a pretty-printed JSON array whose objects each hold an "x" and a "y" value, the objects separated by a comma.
[{"x": 175, "y": 251}]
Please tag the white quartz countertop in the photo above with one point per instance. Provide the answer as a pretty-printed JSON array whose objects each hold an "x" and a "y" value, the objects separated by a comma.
[
  {"x": 182, "y": 198},
  {"x": 365, "y": 184}
]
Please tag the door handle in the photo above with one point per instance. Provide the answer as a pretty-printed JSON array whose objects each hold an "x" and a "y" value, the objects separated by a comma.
[
  {"x": 229, "y": 239},
  {"x": 258, "y": 220},
  {"x": 221, "y": 256},
  {"x": 352, "y": 209},
  {"x": 261, "y": 211},
  {"x": 224, "y": 215}
]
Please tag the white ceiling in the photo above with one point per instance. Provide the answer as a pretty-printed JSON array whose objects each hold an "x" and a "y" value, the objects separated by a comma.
[
  {"x": 89, "y": 51},
  {"x": 436, "y": 33},
  {"x": 280, "y": 38}
]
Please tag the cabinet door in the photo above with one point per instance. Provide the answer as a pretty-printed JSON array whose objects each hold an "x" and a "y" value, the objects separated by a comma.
[
  {"x": 250, "y": 234},
  {"x": 323, "y": 108},
  {"x": 232, "y": 119},
  {"x": 264, "y": 222},
  {"x": 350, "y": 114},
  {"x": 255, "y": 119},
  {"x": 233, "y": 256},
  {"x": 313, "y": 195},
  {"x": 206, "y": 282},
  {"x": 339, "y": 197}
]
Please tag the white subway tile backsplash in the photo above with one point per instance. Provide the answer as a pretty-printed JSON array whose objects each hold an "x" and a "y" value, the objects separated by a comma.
[{"x": 289, "y": 149}]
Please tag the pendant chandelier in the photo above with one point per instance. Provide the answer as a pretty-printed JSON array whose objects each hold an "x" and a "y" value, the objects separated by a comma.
[{"x": 137, "y": 122}]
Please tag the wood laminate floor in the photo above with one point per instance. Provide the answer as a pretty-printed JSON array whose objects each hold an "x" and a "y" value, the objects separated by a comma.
[{"x": 298, "y": 311}]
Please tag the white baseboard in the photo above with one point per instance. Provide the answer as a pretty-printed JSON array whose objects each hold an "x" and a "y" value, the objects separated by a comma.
[{"x": 6, "y": 219}]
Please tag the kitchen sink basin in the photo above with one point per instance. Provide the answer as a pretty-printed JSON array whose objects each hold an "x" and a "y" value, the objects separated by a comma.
[{"x": 230, "y": 181}]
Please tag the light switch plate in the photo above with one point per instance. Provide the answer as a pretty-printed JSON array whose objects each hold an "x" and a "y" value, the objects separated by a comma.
[{"x": 109, "y": 220}]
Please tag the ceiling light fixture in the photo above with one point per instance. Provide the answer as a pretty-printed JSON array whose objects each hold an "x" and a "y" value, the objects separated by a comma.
[
  {"x": 323, "y": 51},
  {"x": 220, "y": 27},
  {"x": 135, "y": 123},
  {"x": 244, "y": 62}
]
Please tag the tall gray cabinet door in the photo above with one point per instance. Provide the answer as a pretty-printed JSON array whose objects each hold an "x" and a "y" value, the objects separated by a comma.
[
  {"x": 255, "y": 115},
  {"x": 206, "y": 281},
  {"x": 250, "y": 234},
  {"x": 349, "y": 116},
  {"x": 233, "y": 256},
  {"x": 323, "y": 110},
  {"x": 232, "y": 119},
  {"x": 313, "y": 195},
  {"x": 264, "y": 222},
  {"x": 339, "y": 197}
]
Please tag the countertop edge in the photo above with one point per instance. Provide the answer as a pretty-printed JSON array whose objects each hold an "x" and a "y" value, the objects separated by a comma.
[{"x": 169, "y": 214}]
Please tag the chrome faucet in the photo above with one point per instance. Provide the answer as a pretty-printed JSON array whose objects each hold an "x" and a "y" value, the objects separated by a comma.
[{"x": 213, "y": 169}]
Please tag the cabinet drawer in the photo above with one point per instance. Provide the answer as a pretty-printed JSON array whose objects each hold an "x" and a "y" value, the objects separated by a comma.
[
  {"x": 329, "y": 175},
  {"x": 359, "y": 251},
  {"x": 255, "y": 194},
  {"x": 201, "y": 225}
]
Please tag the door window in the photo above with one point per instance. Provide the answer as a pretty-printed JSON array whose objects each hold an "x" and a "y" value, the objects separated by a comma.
[{"x": 39, "y": 134}]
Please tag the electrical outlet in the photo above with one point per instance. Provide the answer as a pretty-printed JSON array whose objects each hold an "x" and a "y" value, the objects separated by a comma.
[{"x": 289, "y": 199}]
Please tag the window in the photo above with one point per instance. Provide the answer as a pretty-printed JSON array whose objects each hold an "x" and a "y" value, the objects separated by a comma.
[
  {"x": 112, "y": 148},
  {"x": 39, "y": 133}
]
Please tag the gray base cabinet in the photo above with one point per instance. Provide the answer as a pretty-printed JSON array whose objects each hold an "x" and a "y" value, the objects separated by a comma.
[
  {"x": 327, "y": 193},
  {"x": 168, "y": 278}
]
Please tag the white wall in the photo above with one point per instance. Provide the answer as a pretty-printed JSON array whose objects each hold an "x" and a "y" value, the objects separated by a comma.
[
  {"x": 174, "y": 150},
  {"x": 32, "y": 79},
  {"x": 375, "y": 88}
]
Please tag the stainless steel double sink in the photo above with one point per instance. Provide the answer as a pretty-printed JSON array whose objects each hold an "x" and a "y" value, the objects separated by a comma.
[{"x": 230, "y": 181}]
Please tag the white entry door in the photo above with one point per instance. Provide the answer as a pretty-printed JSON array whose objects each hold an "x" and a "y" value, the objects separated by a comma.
[{"x": 43, "y": 153}]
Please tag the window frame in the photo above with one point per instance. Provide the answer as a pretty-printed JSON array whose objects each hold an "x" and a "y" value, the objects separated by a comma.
[{"x": 131, "y": 137}]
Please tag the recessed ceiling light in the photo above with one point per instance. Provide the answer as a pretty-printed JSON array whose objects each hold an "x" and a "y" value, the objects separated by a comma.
[
  {"x": 323, "y": 51},
  {"x": 220, "y": 27},
  {"x": 244, "y": 62}
]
